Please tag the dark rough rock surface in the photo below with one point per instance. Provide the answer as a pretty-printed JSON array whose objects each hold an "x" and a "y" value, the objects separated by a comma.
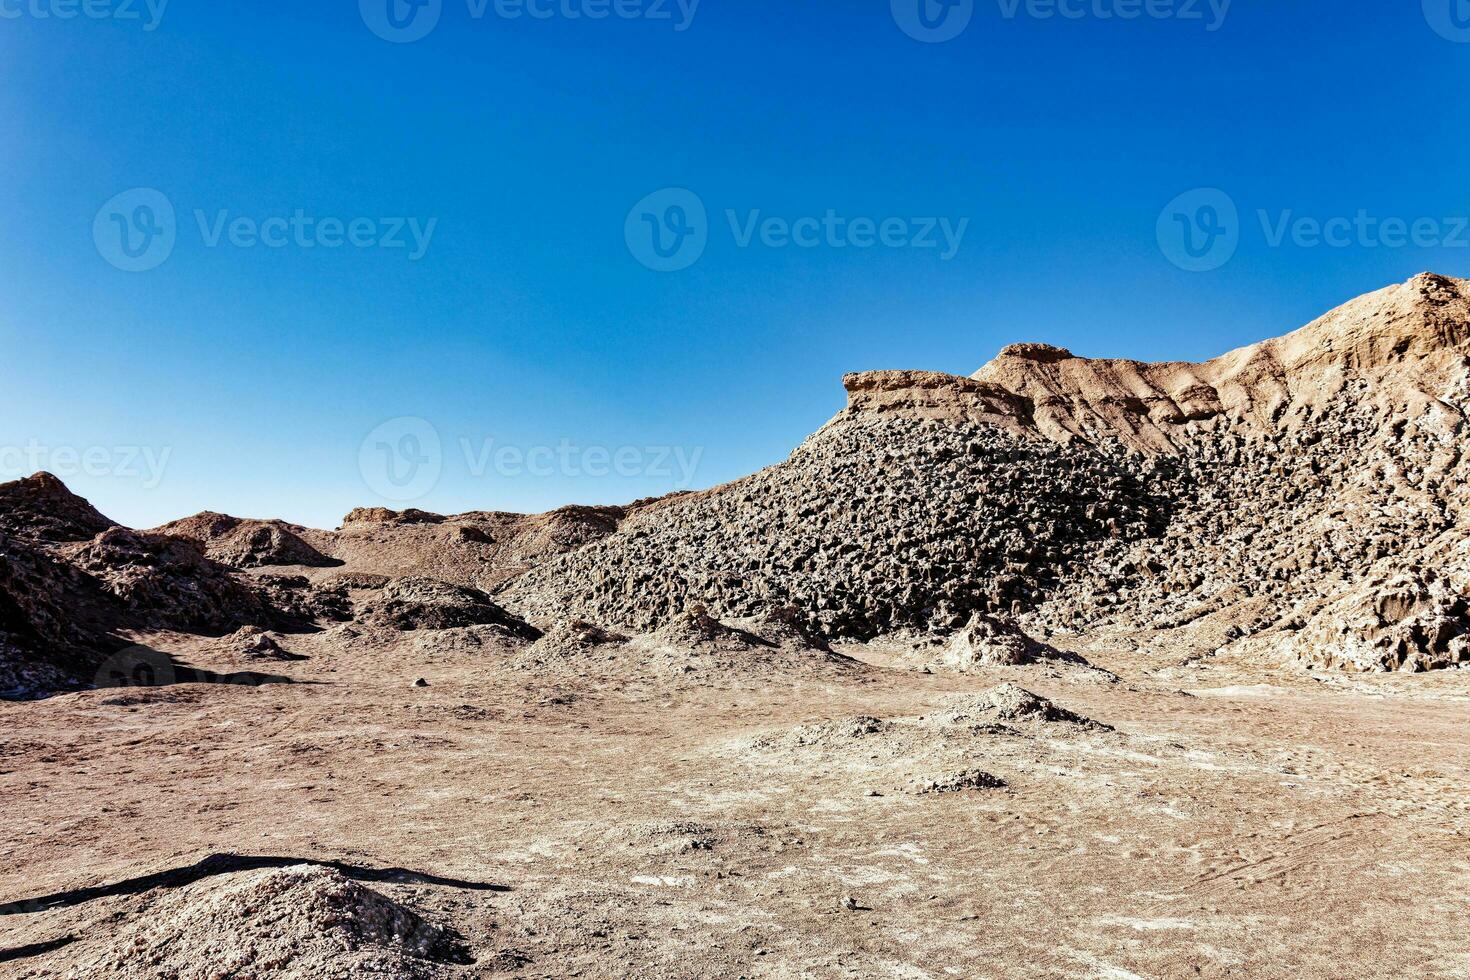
[{"x": 427, "y": 604}]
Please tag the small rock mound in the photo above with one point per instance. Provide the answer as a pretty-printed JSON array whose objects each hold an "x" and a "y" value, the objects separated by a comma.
[
  {"x": 990, "y": 642},
  {"x": 244, "y": 543},
  {"x": 575, "y": 634},
  {"x": 1009, "y": 703},
  {"x": 41, "y": 508},
  {"x": 298, "y": 923},
  {"x": 833, "y": 733},
  {"x": 695, "y": 629},
  {"x": 1040, "y": 353},
  {"x": 785, "y": 626},
  {"x": 254, "y": 643},
  {"x": 358, "y": 580},
  {"x": 956, "y": 782},
  {"x": 428, "y": 604},
  {"x": 382, "y": 515}
]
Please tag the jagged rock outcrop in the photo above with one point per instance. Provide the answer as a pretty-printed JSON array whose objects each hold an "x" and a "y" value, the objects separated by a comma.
[
  {"x": 53, "y": 622},
  {"x": 1411, "y": 620},
  {"x": 167, "y": 582},
  {"x": 41, "y": 508}
]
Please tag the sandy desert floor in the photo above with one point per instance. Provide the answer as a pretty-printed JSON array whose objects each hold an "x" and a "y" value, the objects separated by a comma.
[{"x": 686, "y": 816}]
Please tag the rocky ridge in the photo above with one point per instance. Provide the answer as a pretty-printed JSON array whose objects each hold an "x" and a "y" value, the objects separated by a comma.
[{"x": 1081, "y": 494}]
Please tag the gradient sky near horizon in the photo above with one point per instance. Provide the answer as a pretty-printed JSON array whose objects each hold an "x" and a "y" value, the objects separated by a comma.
[{"x": 255, "y": 378}]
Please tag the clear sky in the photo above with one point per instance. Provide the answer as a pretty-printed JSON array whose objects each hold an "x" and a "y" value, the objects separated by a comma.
[{"x": 458, "y": 228}]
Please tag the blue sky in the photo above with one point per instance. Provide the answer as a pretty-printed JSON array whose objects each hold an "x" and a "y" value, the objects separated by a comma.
[{"x": 550, "y": 363}]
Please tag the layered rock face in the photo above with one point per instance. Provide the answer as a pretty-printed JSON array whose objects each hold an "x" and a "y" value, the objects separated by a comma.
[{"x": 1078, "y": 493}]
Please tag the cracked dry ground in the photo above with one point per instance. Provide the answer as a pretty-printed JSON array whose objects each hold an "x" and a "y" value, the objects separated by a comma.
[{"x": 753, "y": 822}]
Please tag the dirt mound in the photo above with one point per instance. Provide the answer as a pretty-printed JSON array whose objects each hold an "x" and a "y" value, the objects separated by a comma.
[
  {"x": 301, "y": 923},
  {"x": 41, "y": 508},
  {"x": 427, "y": 604},
  {"x": 481, "y": 549},
  {"x": 957, "y": 782},
  {"x": 1007, "y": 703},
  {"x": 254, "y": 643},
  {"x": 570, "y": 635},
  {"x": 834, "y": 733},
  {"x": 987, "y": 641},
  {"x": 244, "y": 543},
  {"x": 695, "y": 629}
]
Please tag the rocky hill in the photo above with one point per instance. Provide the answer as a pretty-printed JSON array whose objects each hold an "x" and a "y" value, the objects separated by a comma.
[
  {"x": 1302, "y": 498},
  {"x": 1235, "y": 498}
]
